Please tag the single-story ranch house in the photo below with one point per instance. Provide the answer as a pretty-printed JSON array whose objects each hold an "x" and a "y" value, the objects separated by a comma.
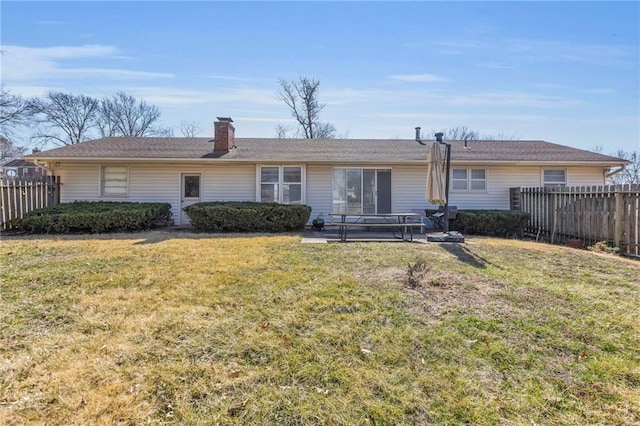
[{"x": 365, "y": 175}]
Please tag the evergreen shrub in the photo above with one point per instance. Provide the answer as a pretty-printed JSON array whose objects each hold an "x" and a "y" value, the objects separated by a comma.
[
  {"x": 247, "y": 216},
  {"x": 495, "y": 223},
  {"x": 85, "y": 217}
]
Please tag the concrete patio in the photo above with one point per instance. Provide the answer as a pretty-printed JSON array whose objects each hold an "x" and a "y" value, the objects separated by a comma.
[{"x": 331, "y": 236}]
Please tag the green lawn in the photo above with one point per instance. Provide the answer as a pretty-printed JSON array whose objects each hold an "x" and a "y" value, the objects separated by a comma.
[{"x": 184, "y": 328}]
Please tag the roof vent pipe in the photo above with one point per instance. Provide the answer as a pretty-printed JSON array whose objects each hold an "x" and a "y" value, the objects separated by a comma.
[{"x": 418, "y": 137}]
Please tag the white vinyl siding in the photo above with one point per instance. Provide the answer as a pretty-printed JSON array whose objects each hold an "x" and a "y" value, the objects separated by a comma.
[
  {"x": 152, "y": 182},
  {"x": 114, "y": 181},
  {"x": 409, "y": 184},
  {"x": 281, "y": 184},
  {"x": 318, "y": 189},
  {"x": 160, "y": 182}
]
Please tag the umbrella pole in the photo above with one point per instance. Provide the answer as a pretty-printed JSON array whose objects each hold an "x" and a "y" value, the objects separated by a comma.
[{"x": 446, "y": 190}]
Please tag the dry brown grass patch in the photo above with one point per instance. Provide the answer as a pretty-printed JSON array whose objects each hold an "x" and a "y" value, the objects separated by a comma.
[{"x": 196, "y": 329}]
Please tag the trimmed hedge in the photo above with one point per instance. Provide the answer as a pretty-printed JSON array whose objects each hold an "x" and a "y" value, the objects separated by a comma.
[
  {"x": 84, "y": 217},
  {"x": 247, "y": 216},
  {"x": 494, "y": 223}
]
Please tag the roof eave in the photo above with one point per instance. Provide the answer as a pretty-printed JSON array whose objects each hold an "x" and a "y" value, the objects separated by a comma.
[
  {"x": 543, "y": 163},
  {"x": 41, "y": 159}
]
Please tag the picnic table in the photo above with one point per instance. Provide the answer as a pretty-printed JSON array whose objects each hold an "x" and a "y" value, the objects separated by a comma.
[{"x": 401, "y": 224}]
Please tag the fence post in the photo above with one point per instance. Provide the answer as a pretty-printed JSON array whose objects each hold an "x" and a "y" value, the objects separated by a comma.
[
  {"x": 554, "y": 213},
  {"x": 617, "y": 238},
  {"x": 56, "y": 182},
  {"x": 24, "y": 194},
  {"x": 515, "y": 198}
]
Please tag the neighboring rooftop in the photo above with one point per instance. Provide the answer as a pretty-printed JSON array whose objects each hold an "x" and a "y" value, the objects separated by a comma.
[
  {"x": 322, "y": 150},
  {"x": 19, "y": 163}
]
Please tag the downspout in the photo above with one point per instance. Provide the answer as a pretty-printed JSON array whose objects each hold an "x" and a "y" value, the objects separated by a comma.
[{"x": 622, "y": 168}]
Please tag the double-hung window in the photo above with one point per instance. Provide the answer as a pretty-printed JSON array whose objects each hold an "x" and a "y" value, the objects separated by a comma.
[
  {"x": 554, "y": 177},
  {"x": 114, "y": 181},
  {"x": 281, "y": 184},
  {"x": 469, "y": 179}
]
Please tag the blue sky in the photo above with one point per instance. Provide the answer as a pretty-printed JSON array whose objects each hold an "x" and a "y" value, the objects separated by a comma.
[{"x": 565, "y": 72}]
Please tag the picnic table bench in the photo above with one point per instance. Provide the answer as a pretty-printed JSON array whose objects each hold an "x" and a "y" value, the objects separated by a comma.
[{"x": 401, "y": 224}]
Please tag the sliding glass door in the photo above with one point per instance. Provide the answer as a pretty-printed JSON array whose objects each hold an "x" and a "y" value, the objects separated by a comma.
[{"x": 361, "y": 191}]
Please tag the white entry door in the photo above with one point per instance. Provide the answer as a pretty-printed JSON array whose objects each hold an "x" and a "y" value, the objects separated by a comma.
[{"x": 190, "y": 193}]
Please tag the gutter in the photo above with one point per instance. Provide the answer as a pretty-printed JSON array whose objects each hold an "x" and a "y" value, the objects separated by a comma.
[
  {"x": 43, "y": 160},
  {"x": 615, "y": 172}
]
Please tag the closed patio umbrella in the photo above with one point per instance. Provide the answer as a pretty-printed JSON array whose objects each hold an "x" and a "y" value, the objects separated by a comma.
[{"x": 435, "y": 193}]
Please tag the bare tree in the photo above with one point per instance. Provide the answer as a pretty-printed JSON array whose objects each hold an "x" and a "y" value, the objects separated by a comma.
[
  {"x": 461, "y": 133},
  {"x": 165, "y": 132},
  {"x": 107, "y": 119},
  {"x": 9, "y": 151},
  {"x": 501, "y": 136},
  {"x": 325, "y": 131},
  {"x": 123, "y": 115},
  {"x": 631, "y": 173},
  {"x": 64, "y": 118},
  {"x": 14, "y": 112},
  {"x": 284, "y": 132},
  {"x": 190, "y": 129},
  {"x": 302, "y": 98}
]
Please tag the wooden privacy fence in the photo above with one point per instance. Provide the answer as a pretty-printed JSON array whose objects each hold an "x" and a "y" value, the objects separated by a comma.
[
  {"x": 20, "y": 195},
  {"x": 587, "y": 213}
]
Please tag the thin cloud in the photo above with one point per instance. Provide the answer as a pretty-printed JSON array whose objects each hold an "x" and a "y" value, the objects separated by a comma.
[
  {"x": 564, "y": 87},
  {"x": 551, "y": 86},
  {"x": 513, "y": 99},
  {"x": 174, "y": 97},
  {"x": 228, "y": 78},
  {"x": 113, "y": 73},
  {"x": 393, "y": 98},
  {"x": 61, "y": 52},
  {"x": 349, "y": 96},
  {"x": 35, "y": 90},
  {"x": 496, "y": 66},
  {"x": 424, "y": 78},
  {"x": 49, "y": 22},
  {"x": 544, "y": 50},
  {"x": 273, "y": 120},
  {"x": 463, "y": 118},
  {"x": 455, "y": 48},
  {"x": 21, "y": 63},
  {"x": 600, "y": 91}
]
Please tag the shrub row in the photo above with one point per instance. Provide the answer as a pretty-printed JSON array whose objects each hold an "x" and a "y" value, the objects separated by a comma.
[
  {"x": 247, "y": 216},
  {"x": 83, "y": 217},
  {"x": 494, "y": 223}
]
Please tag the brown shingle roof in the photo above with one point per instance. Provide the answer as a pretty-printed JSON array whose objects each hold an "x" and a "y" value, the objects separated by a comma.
[
  {"x": 19, "y": 163},
  {"x": 317, "y": 150}
]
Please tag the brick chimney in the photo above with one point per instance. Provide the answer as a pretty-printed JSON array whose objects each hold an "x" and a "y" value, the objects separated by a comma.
[{"x": 224, "y": 132}]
